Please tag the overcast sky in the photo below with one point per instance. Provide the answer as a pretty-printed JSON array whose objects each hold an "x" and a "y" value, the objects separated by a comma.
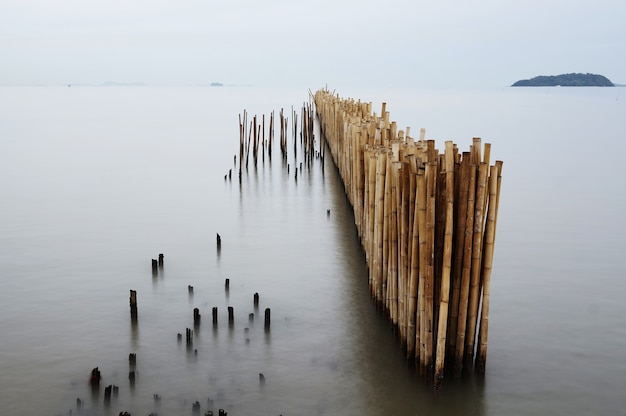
[{"x": 435, "y": 43}]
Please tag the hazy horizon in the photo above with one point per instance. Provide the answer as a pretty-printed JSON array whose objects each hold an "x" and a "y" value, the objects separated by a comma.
[{"x": 349, "y": 43}]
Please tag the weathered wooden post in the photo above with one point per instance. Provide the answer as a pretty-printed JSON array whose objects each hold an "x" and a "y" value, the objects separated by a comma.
[
  {"x": 215, "y": 316},
  {"x": 256, "y": 300},
  {"x": 219, "y": 241},
  {"x": 94, "y": 378},
  {"x": 267, "y": 318},
  {"x": 189, "y": 337},
  {"x": 161, "y": 260},
  {"x": 107, "y": 393},
  {"x": 196, "y": 317},
  {"x": 227, "y": 284},
  {"x": 132, "y": 361},
  {"x": 155, "y": 267},
  {"x": 133, "y": 305},
  {"x": 110, "y": 391},
  {"x": 231, "y": 316}
]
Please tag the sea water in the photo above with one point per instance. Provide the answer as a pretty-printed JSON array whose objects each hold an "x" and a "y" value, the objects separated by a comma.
[{"x": 97, "y": 181}]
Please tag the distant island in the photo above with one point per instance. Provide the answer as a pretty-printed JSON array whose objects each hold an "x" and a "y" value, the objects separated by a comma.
[
  {"x": 566, "y": 80},
  {"x": 217, "y": 84}
]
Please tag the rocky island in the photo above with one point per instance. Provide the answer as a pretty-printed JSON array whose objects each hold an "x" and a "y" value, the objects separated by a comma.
[{"x": 566, "y": 80}]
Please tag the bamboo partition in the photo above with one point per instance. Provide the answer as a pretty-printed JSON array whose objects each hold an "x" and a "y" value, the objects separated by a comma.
[{"x": 427, "y": 224}]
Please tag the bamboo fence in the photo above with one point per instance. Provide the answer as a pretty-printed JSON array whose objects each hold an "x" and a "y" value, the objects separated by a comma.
[{"x": 427, "y": 225}]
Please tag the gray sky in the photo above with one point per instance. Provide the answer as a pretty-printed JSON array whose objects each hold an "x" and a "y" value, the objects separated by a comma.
[{"x": 436, "y": 43}]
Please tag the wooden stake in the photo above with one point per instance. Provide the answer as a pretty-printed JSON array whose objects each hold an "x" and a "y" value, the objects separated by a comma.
[{"x": 133, "y": 305}]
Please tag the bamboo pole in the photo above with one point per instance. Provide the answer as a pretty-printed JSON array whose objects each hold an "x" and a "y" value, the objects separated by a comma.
[
  {"x": 420, "y": 341},
  {"x": 462, "y": 189},
  {"x": 447, "y": 263},
  {"x": 412, "y": 332},
  {"x": 490, "y": 232},
  {"x": 393, "y": 242},
  {"x": 429, "y": 279},
  {"x": 472, "y": 314},
  {"x": 378, "y": 223}
]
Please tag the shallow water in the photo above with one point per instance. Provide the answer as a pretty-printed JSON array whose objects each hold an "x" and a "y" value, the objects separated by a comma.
[{"x": 95, "y": 182}]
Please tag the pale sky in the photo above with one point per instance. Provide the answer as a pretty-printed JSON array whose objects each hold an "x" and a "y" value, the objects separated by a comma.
[{"x": 435, "y": 43}]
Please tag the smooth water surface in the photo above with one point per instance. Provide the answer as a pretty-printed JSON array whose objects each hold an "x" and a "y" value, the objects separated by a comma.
[{"x": 97, "y": 181}]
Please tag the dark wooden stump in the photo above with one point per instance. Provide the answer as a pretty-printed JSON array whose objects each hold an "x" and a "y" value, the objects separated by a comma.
[
  {"x": 231, "y": 316},
  {"x": 133, "y": 305},
  {"x": 196, "y": 317},
  {"x": 267, "y": 318},
  {"x": 94, "y": 379}
]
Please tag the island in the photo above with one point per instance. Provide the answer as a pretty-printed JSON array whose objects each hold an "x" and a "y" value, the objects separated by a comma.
[{"x": 566, "y": 80}]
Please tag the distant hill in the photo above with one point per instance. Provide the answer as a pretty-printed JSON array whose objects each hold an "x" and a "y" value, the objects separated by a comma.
[{"x": 566, "y": 80}]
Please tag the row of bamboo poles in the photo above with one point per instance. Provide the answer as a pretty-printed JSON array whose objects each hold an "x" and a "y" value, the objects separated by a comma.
[
  {"x": 427, "y": 224},
  {"x": 252, "y": 136}
]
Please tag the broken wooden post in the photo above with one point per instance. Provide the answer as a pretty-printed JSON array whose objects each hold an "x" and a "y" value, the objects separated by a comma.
[
  {"x": 133, "y": 305},
  {"x": 189, "y": 337},
  {"x": 155, "y": 267},
  {"x": 94, "y": 378},
  {"x": 256, "y": 299},
  {"x": 196, "y": 317},
  {"x": 110, "y": 391},
  {"x": 161, "y": 260},
  {"x": 219, "y": 241},
  {"x": 231, "y": 315},
  {"x": 132, "y": 360},
  {"x": 214, "y": 315},
  {"x": 267, "y": 318},
  {"x": 107, "y": 393}
]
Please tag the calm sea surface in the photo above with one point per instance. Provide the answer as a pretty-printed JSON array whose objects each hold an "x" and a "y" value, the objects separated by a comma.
[{"x": 97, "y": 181}]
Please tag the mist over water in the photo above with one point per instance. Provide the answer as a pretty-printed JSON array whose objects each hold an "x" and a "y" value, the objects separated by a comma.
[{"x": 95, "y": 182}]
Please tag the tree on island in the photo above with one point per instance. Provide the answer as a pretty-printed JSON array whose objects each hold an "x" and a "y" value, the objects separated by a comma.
[{"x": 566, "y": 80}]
